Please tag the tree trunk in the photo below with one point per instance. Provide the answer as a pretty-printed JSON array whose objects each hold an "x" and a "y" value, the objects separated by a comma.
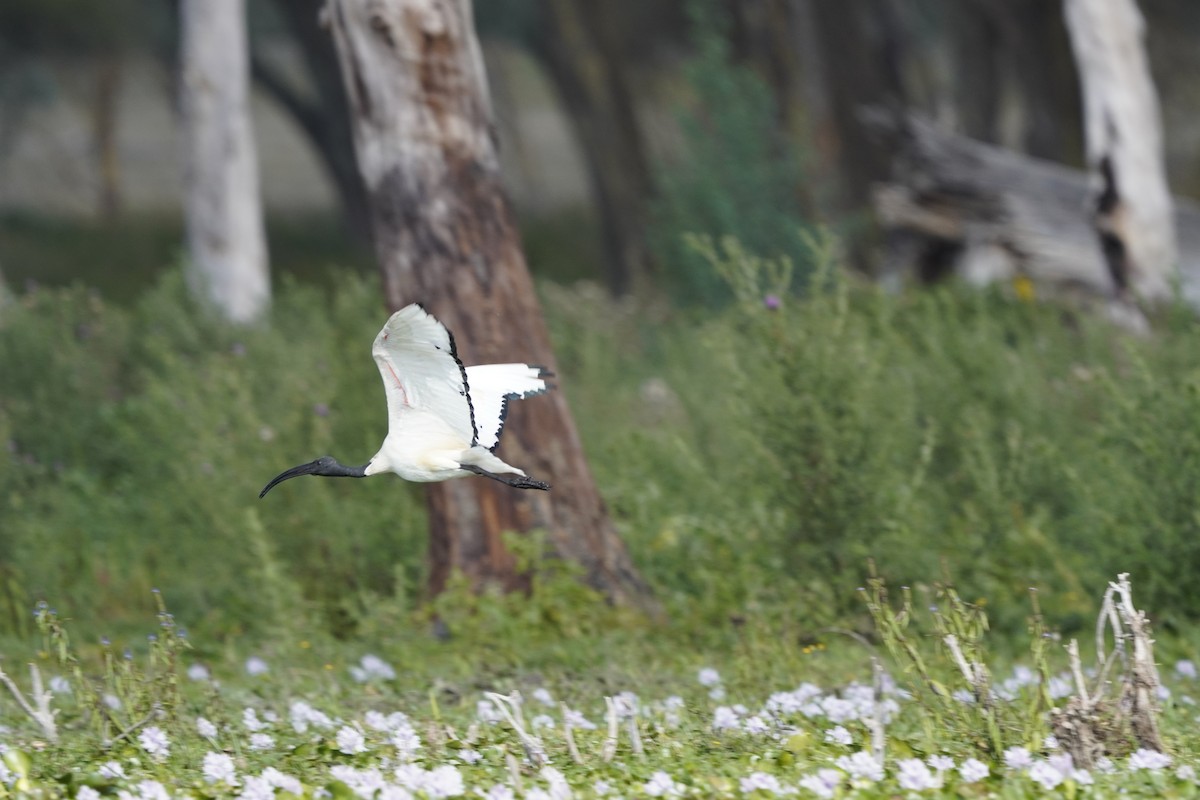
[
  {"x": 104, "y": 133},
  {"x": 227, "y": 264},
  {"x": 325, "y": 119},
  {"x": 861, "y": 61},
  {"x": 583, "y": 60},
  {"x": 445, "y": 235},
  {"x": 1123, "y": 131},
  {"x": 960, "y": 207}
]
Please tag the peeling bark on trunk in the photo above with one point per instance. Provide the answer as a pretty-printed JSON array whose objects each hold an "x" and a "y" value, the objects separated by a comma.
[
  {"x": 1123, "y": 131},
  {"x": 227, "y": 248},
  {"x": 583, "y": 61},
  {"x": 445, "y": 235}
]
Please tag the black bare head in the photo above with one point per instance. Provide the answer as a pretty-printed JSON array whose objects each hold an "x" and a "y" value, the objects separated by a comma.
[{"x": 325, "y": 466}]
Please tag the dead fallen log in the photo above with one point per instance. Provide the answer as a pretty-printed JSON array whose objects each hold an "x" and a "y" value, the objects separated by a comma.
[{"x": 954, "y": 206}]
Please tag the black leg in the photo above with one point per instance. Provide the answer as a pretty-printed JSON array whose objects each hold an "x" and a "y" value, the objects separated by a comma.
[{"x": 516, "y": 481}]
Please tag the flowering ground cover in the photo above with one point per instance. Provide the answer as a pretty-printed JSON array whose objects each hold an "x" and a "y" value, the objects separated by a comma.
[{"x": 763, "y": 719}]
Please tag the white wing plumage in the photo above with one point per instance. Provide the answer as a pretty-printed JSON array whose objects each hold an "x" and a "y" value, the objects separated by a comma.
[
  {"x": 421, "y": 371},
  {"x": 491, "y": 387}
]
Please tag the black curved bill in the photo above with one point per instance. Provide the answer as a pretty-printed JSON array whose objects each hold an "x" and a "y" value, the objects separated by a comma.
[{"x": 295, "y": 472}]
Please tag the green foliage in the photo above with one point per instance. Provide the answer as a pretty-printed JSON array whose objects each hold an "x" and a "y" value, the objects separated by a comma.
[
  {"x": 138, "y": 441},
  {"x": 739, "y": 176},
  {"x": 987, "y": 725}
]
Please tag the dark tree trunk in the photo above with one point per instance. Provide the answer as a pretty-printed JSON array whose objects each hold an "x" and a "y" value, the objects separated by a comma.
[
  {"x": 581, "y": 52},
  {"x": 325, "y": 118},
  {"x": 445, "y": 235},
  {"x": 860, "y": 46},
  {"x": 105, "y": 94}
]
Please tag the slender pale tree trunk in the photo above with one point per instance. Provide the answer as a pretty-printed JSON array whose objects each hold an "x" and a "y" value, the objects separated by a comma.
[
  {"x": 445, "y": 235},
  {"x": 227, "y": 248},
  {"x": 1123, "y": 132}
]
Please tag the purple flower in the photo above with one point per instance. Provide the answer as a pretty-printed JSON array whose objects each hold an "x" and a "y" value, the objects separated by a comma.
[{"x": 771, "y": 302}]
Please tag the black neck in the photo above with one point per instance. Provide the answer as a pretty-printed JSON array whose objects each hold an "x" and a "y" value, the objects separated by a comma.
[{"x": 326, "y": 467}]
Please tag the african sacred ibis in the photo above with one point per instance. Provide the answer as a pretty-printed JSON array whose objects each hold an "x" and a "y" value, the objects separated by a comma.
[{"x": 444, "y": 419}]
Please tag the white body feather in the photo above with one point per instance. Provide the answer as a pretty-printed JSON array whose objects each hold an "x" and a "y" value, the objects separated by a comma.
[{"x": 440, "y": 414}]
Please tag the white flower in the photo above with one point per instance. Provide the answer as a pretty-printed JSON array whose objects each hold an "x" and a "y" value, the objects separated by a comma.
[
  {"x": 839, "y": 710},
  {"x": 838, "y": 735},
  {"x": 1185, "y": 669},
  {"x": 1186, "y": 772},
  {"x": 279, "y": 780},
  {"x": 725, "y": 718},
  {"x": 1105, "y": 765},
  {"x": 708, "y": 677},
  {"x": 498, "y": 792},
  {"x": 60, "y": 685},
  {"x": 662, "y": 785},
  {"x": 1082, "y": 777},
  {"x": 351, "y": 741},
  {"x": 486, "y": 711},
  {"x": 542, "y": 721},
  {"x": 407, "y": 743},
  {"x": 940, "y": 762},
  {"x": 576, "y": 719},
  {"x": 601, "y": 787},
  {"x": 198, "y": 672},
  {"x": 823, "y": 784},
  {"x": 111, "y": 769},
  {"x": 1050, "y": 742},
  {"x": 861, "y": 765},
  {"x": 973, "y": 770},
  {"x": 303, "y": 715},
  {"x": 256, "y": 666},
  {"x": 155, "y": 742},
  {"x": 763, "y": 781},
  {"x": 469, "y": 756},
  {"x": 257, "y": 788},
  {"x": 251, "y": 721},
  {"x": 372, "y": 667},
  {"x": 152, "y": 790},
  {"x": 543, "y": 696},
  {"x": 915, "y": 776},
  {"x": 1149, "y": 759},
  {"x": 1063, "y": 763},
  {"x": 756, "y": 725},
  {"x": 444, "y": 781},
  {"x": 1017, "y": 758},
  {"x": 87, "y": 793},
  {"x": 206, "y": 728},
  {"x": 1046, "y": 775},
  {"x": 716, "y": 693},
  {"x": 218, "y": 768},
  {"x": 112, "y": 701},
  {"x": 261, "y": 741}
]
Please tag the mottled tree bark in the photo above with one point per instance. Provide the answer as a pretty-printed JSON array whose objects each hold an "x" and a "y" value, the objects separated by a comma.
[
  {"x": 227, "y": 248},
  {"x": 445, "y": 235},
  {"x": 582, "y": 57}
]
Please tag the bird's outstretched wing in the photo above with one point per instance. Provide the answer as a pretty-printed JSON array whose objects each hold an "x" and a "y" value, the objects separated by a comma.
[
  {"x": 492, "y": 386},
  {"x": 421, "y": 371}
]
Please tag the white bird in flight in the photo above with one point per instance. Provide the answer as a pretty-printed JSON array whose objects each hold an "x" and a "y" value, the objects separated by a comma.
[{"x": 444, "y": 419}]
